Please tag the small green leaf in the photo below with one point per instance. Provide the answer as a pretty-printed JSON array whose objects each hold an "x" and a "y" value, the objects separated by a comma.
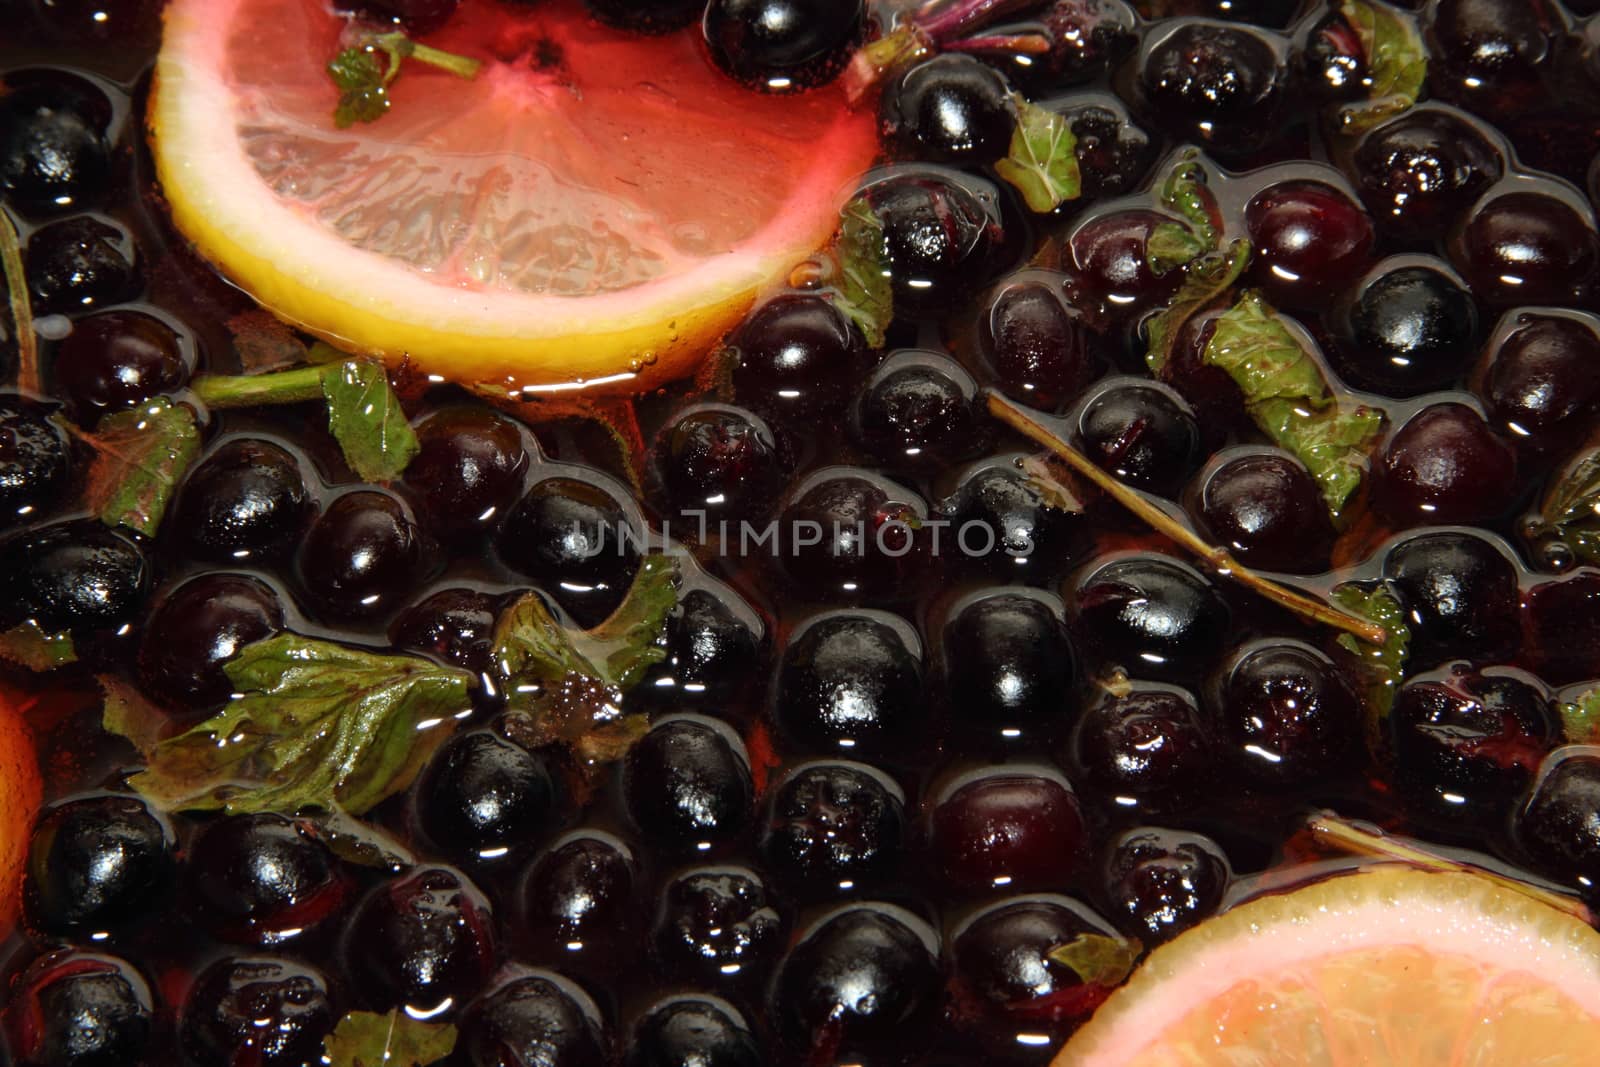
[
  {"x": 1172, "y": 245},
  {"x": 356, "y": 69},
  {"x": 1186, "y": 192},
  {"x": 140, "y": 457},
  {"x": 1581, "y": 718},
  {"x": 1570, "y": 510},
  {"x": 1042, "y": 163},
  {"x": 392, "y": 1039},
  {"x": 27, "y": 645},
  {"x": 128, "y": 714},
  {"x": 312, "y": 725},
  {"x": 863, "y": 290},
  {"x": 354, "y": 841},
  {"x": 1098, "y": 960},
  {"x": 1053, "y": 482},
  {"x": 1289, "y": 399},
  {"x": 1383, "y": 665},
  {"x": 1397, "y": 64},
  {"x": 531, "y": 647},
  {"x": 1205, "y": 281},
  {"x": 365, "y": 418},
  {"x": 628, "y": 644}
]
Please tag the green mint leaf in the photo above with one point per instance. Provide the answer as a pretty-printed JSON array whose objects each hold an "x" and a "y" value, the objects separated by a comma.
[
  {"x": 1397, "y": 64},
  {"x": 1383, "y": 666},
  {"x": 628, "y": 644},
  {"x": 354, "y": 841},
  {"x": 361, "y": 105},
  {"x": 126, "y": 713},
  {"x": 1053, "y": 482},
  {"x": 862, "y": 275},
  {"x": 356, "y": 69},
  {"x": 29, "y": 646},
  {"x": 1289, "y": 399},
  {"x": 312, "y": 725},
  {"x": 1172, "y": 245},
  {"x": 365, "y": 418},
  {"x": 1205, "y": 281},
  {"x": 1185, "y": 191},
  {"x": 1570, "y": 510},
  {"x": 264, "y": 343},
  {"x": 392, "y": 1039},
  {"x": 1580, "y": 718},
  {"x": 1098, "y": 960},
  {"x": 1042, "y": 162},
  {"x": 140, "y": 457},
  {"x": 531, "y": 647}
]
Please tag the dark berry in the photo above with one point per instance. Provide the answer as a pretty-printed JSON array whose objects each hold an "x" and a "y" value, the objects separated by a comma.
[
  {"x": 1556, "y": 827},
  {"x": 712, "y": 650},
  {"x": 1158, "y": 883},
  {"x": 574, "y": 540},
  {"x": 941, "y": 237},
  {"x": 263, "y": 879},
  {"x": 1039, "y": 348},
  {"x": 646, "y": 16},
  {"x": 865, "y": 974},
  {"x": 1007, "y": 991},
  {"x": 1143, "y": 433},
  {"x": 717, "y": 926},
  {"x": 413, "y": 16},
  {"x": 796, "y": 356},
  {"x": 834, "y": 827},
  {"x": 1213, "y": 84},
  {"x": 717, "y": 463},
  {"x": 362, "y": 555},
  {"x": 452, "y": 625},
  {"x": 1307, "y": 239},
  {"x": 850, "y": 686},
  {"x": 578, "y": 903},
  {"x": 1085, "y": 36},
  {"x": 1526, "y": 248},
  {"x": 1107, "y": 260},
  {"x": 918, "y": 411},
  {"x": 1489, "y": 53},
  {"x": 1114, "y": 153},
  {"x": 80, "y": 264},
  {"x": 1410, "y": 330},
  {"x": 468, "y": 471},
  {"x": 1445, "y": 465},
  {"x": 481, "y": 796},
  {"x": 421, "y": 940},
  {"x": 694, "y": 1032},
  {"x": 1466, "y": 743},
  {"x": 782, "y": 45},
  {"x": 1008, "y": 830},
  {"x": 950, "y": 109},
  {"x": 1001, "y": 521},
  {"x": 1285, "y": 717},
  {"x": 1419, "y": 173},
  {"x": 75, "y": 575},
  {"x": 195, "y": 630},
  {"x": 1542, "y": 381},
  {"x": 1267, "y": 510},
  {"x": 686, "y": 785},
  {"x": 81, "y": 1009},
  {"x": 97, "y": 863},
  {"x": 1460, "y": 594},
  {"x": 853, "y": 533},
  {"x": 261, "y": 1011},
  {"x": 53, "y": 155},
  {"x": 1009, "y": 668},
  {"x": 536, "y": 1019},
  {"x": 247, "y": 501},
  {"x": 115, "y": 360},
  {"x": 1146, "y": 750},
  {"x": 35, "y": 460},
  {"x": 1153, "y": 616},
  {"x": 1563, "y": 624},
  {"x": 1334, "y": 60}
]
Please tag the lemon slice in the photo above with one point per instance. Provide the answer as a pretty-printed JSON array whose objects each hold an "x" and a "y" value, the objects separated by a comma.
[
  {"x": 593, "y": 207},
  {"x": 1391, "y": 967}
]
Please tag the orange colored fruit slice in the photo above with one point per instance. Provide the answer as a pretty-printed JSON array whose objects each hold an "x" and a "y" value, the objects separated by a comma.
[
  {"x": 21, "y": 792},
  {"x": 593, "y": 207},
  {"x": 1391, "y": 967}
]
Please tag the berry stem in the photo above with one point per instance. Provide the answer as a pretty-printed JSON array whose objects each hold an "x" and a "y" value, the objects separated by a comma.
[
  {"x": 252, "y": 390},
  {"x": 1349, "y": 837},
  {"x": 944, "y": 20},
  {"x": 1033, "y": 44},
  {"x": 399, "y": 46},
  {"x": 28, "y": 378},
  {"x": 1029, "y": 425}
]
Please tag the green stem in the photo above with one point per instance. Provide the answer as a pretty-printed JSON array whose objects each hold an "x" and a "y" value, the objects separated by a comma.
[
  {"x": 1027, "y": 423},
  {"x": 254, "y": 390},
  {"x": 28, "y": 378},
  {"x": 398, "y": 45}
]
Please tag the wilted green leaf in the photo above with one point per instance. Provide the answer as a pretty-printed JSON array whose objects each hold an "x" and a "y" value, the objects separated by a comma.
[
  {"x": 1570, "y": 510},
  {"x": 365, "y": 418},
  {"x": 1581, "y": 718},
  {"x": 1097, "y": 959},
  {"x": 1205, "y": 281},
  {"x": 140, "y": 457},
  {"x": 1042, "y": 162},
  {"x": 863, "y": 290},
  {"x": 1382, "y": 665},
  {"x": 392, "y": 1039},
  {"x": 27, "y": 645},
  {"x": 1397, "y": 63}
]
